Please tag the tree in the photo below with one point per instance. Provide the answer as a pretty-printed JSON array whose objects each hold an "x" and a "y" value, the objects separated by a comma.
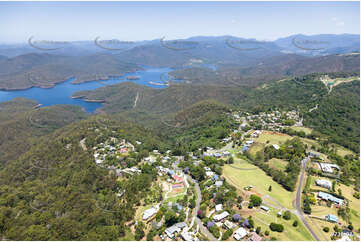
[
  {"x": 287, "y": 215},
  {"x": 270, "y": 188},
  {"x": 258, "y": 230},
  {"x": 227, "y": 234},
  {"x": 295, "y": 223},
  {"x": 255, "y": 200},
  {"x": 276, "y": 227},
  {"x": 326, "y": 229},
  {"x": 170, "y": 218}
]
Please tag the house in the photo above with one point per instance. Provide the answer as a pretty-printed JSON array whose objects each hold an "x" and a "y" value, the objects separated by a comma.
[
  {"x": 177, "y": 178},
  {"x": 332, "y": 218},
  {"x": 209, "y": 173},
  {"x": 240, "y": 233},
  {"x": 217, "y": 155},
  {"x": 312, "y": 153},
  {"x": 149, "y": 159},
  {"x": 249, "y": 142},
  {"x": 221, "y": 216},
  {"x": 229, "y": 225},
  {"x": 328, "y": 167},
  {"x": 188, "y": 236},
  {"x": 215, "y": 177},
  {"x": 219, "y": 207},
  {"x": 176, "y": 228},
  {"x": 150, "y": 212},
  {"x": 207, "y": 169},
  {"x": 276, "y": 146},
  {"x": 244, "y": 148},
  {"x": 329, "y": 197},
  {"x": 218, "y": 183},
  {"x": 323, "y": 183},
  {"x": 226, "y": 153},
  {"x": 265, "y": 208},
  {"x": 255, "y": 237}
]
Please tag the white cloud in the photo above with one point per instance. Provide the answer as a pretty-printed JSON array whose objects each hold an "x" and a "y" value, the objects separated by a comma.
[{"x": 337, "y": 22}]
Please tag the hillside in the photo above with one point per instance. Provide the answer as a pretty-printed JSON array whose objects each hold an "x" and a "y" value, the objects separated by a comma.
[
  {"x": 46, "y": 70},
  {"x": 55, "y": 191},
  {"x": 20, "y": 130}
]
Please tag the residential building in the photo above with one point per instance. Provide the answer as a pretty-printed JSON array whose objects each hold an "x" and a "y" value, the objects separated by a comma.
[
  {"x": 240, "y": 233},
  {"x": 229, "y": 224},
  {"x": 329, "y": 197},
  {"x": 176, "y": 228},
  {"x": 255, "y": 237},
  {"x": 219, "y": 207},
  {"x": 221, "y": 216},
  {"x": 332, "y": 218},
  {"x": 150, "y": 212},
  {"x": 324, "y": 183}
]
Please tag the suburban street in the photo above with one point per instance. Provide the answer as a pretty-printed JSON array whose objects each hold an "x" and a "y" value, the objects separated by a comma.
[
  {"x": 298, "y": 199},
  {"x": 203, "y": 229}
]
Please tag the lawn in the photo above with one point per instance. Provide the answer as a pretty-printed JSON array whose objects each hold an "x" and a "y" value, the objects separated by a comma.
[
  {"x": 304, "y": 129},
  {"x": 278, "y": 164},
  {"x": 272, "y": 137},
  {"x": 290, "y": 233},
  {"x": 255, "y": 148},
  {"x": 342, "y": 151},
  {"x": 354, "y": 204},
  {"x": 259, "y": 180}
]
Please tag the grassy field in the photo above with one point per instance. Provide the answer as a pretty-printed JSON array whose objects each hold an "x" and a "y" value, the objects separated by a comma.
[
  {"x": 272, "y": 137},
  {"x": 278, "y": 164},
  {"x": 354, "y": 204},
  {"x": 259, "y": 180},
  {"x": 290, "y": 233},
  {"x": 304, "y": 129},
  {"x": 342, "y": 151},
  {"x": 255, "y": 148}
]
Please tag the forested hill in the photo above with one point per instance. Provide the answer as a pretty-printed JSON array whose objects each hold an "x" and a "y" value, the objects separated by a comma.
[
  {"x": 55, "y": 191},
  {"x": 22, "y": 122},
  {"x": 338, "y": 115}
]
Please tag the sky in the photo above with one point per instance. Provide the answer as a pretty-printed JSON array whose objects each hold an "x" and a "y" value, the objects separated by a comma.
[{"x": 133, "y": 21}]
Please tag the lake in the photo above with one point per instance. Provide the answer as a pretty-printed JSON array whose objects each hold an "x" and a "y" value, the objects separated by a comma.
[{"x": 61, "y": 93}]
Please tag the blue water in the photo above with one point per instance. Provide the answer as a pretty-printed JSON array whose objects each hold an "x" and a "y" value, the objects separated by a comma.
[{"x": 61, "y": 93}]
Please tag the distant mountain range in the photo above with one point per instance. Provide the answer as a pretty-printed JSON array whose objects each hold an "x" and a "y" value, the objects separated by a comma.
[
  {"x": 322, "y": 44},
  {"x": 244, "y": 61}
]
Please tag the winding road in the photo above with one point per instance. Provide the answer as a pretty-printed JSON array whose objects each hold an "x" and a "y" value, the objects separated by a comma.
[
  {"x": 298, "y": 199},
  {"x": 203, "y": 229}
]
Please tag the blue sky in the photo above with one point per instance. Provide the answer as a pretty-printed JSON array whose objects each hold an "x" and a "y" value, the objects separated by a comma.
[{"x": 65, "y": 21}]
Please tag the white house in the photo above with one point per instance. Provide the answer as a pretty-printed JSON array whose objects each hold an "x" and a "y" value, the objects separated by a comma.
[
  {"x": 219, "y": 207},
  {"x": 221, "y": 216},
  {"x": 324, "y": 183},
  {"x": 150, "y": 212},
  {"x": 240, "y": 233}
]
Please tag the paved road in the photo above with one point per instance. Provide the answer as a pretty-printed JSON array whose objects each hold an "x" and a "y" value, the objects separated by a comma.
[
  {"x": 298, "y": 199},
  {"x": 203, "y": 229}
]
